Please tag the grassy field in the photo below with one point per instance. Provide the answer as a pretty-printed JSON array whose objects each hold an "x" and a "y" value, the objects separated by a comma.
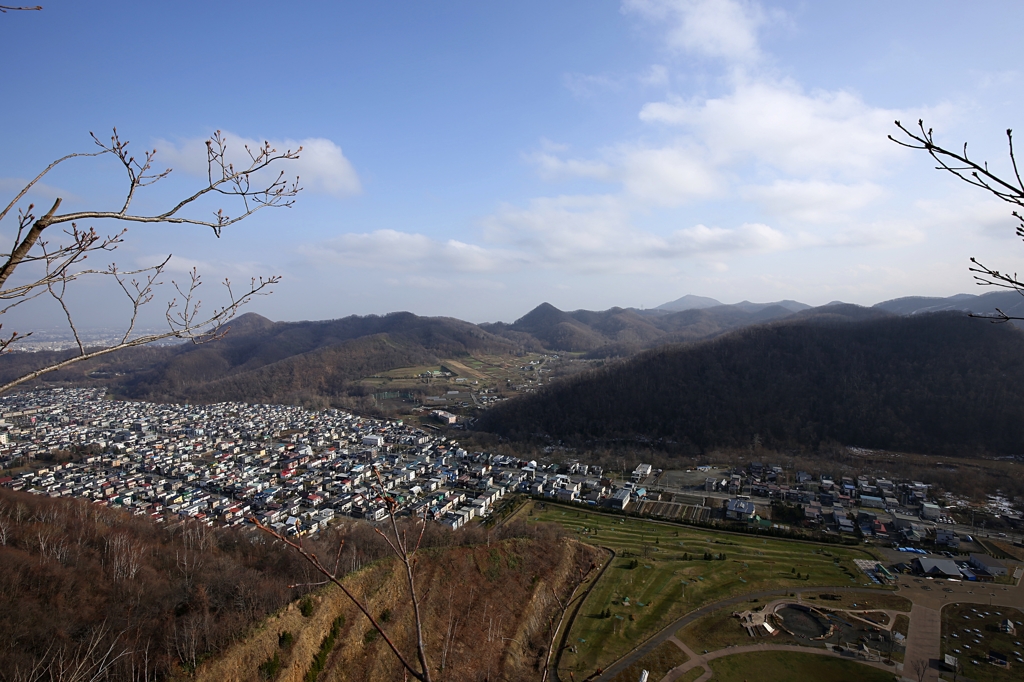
[
  {"x": 720, "y": 629},
  {"x": 691, "y": 676},
  {"x": 959, "y": 621},
  {"x": 657, "y": 663},
  {"x": 488, "y": 371},
  {"x": 783, "y": 666},
  {"x": 660, "y": 574}
]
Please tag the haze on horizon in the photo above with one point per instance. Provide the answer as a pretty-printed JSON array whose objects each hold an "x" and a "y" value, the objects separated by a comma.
[{"x": 473, "y": 160}]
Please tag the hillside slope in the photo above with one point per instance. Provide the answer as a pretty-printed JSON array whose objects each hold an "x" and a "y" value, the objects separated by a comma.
[
  {"x": 940, "y": 383},
  {"x": 487, "y": 610}
]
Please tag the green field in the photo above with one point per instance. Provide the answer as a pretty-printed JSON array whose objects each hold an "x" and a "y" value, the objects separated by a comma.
[
  {"x": 660, "y": 574},
  {"x": 784, "y": 666}
]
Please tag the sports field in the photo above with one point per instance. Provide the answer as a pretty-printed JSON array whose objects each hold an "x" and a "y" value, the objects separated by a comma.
[{"x": 662, "y": 572}]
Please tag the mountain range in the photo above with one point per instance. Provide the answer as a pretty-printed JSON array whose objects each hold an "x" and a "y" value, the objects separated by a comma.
[{"x": 320, "y": 363}]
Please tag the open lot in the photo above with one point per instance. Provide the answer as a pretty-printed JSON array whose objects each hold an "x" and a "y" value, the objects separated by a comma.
[
  {"x": 970, "y": 631},
  {"x": 660, "y": 573}
]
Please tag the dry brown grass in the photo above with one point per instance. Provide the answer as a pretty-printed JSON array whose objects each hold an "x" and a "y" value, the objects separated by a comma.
[{"x": 496, "y": 601}]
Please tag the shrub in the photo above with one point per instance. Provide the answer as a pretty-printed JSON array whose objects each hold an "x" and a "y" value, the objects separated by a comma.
[
  {"x": 306, "y": 607},
  {"x": 324, "y": 652},
  {"x": 271, "y": 667}
]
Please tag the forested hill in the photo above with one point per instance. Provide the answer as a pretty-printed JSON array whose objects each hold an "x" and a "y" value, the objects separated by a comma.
[
  {"x": 274, "y": 362},
  {"x": 939, "y": 383},
  {"x": 620, "y": 332}
]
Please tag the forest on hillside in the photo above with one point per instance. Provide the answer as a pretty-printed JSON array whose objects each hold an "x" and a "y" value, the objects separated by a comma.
[
  {"x": 88, "y": 592},
  {"x": 940, "y": 383}
]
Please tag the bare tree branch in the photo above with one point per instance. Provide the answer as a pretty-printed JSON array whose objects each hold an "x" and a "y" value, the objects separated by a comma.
[
  {"x": 184, "y": 325},
  {"x": 977, "y": 174},
  {"x": 53, "y": 266}
]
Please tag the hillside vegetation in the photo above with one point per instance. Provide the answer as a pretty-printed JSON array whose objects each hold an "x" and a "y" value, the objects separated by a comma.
[
  {"x": 87, "y": 586},
  {"x": 261, "y": 361},
  {"x": 121, "y": 598},
  {"x": 487, "y": 607},
  {"x": 940, "y": 383},
  {"x": 321, "y": 363}
]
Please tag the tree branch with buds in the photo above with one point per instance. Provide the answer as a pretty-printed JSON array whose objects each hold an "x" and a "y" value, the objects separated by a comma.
[
  {"x": 52, "y": 266},
  {"x": 1009, "y": 189}
]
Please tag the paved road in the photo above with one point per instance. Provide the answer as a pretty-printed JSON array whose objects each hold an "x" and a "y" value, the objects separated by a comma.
[{"x": 923, "y": 641}]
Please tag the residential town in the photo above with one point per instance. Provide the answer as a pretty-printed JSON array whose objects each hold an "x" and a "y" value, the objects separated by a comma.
[
  {"x": 298, "y": 470},
  {"x": 294, "y": 469}
]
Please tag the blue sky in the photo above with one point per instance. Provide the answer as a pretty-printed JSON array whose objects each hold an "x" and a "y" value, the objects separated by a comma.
[{"x": 475, "y": 159}]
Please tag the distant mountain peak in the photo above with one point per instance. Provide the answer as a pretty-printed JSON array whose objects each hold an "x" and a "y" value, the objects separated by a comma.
[
  {"x": 248, "y": 323},
  {"x": 543, "y": 313},
  {"x": 689, "y": 302}
]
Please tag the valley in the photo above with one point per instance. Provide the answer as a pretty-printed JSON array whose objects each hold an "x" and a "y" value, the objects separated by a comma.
[{"x": 789, "y": 457}]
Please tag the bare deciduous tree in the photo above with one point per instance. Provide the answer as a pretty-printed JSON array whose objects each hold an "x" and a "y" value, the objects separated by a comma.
[
  {"x": 38, "y": 265},
  {"x": 1009, "y": 189},
  {"x": 920, "y": 667}
]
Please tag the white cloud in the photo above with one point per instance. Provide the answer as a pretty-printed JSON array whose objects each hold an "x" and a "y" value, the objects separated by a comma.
[
  {"x": 746, "y": 237},
  {"x": 552, "y": 167},
  {"x": 583, "y": 234},
  {"x": 321, "y": 166},
  {"x": 813, "y": 201},
  {"x": 662, "y": 176},
  {"x": 213, "y": 272},
  {"x": 594, "y": 234},
  {"x": 394, "y": 250},
  {"x": 569, "y": 231},
  {"x": 667, "y": 176},
  {"x": 777, "y": 124},
  {"x": 712, "y": 28},
  {"x": 885, "y": 233},
  {"x": 656, "y": 75},
  {"x": 969, "y": 212}
]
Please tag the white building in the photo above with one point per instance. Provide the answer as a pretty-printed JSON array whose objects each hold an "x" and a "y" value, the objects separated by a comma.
[{"x": 641, "y": 472}]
